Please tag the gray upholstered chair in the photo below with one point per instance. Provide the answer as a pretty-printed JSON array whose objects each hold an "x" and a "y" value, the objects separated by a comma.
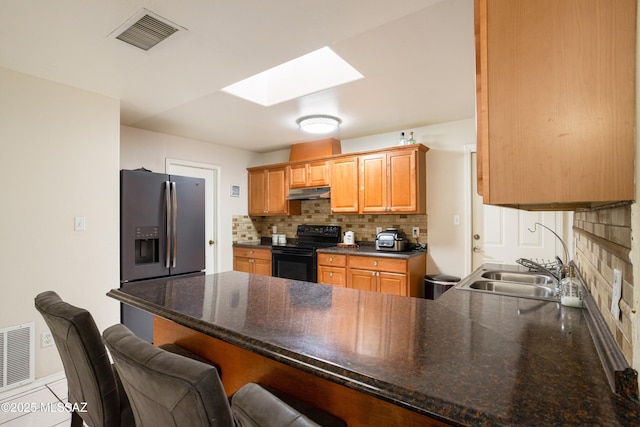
[
  {"x": 167, "y": 389},
  {"x": 90, "y": 376}
]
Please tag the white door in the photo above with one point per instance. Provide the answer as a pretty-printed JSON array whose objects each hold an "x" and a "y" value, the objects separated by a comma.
[
  {"x": 210, "y": 175},
  {"x": 503, "y": 235}
]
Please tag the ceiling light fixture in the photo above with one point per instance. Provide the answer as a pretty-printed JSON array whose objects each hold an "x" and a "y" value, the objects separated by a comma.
[{"x": 318, "y": 124}]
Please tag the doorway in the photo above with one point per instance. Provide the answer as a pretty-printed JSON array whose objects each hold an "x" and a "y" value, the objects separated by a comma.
[
  {"x": 210, "y": 174},
  {"x": 503, "y": 235}
]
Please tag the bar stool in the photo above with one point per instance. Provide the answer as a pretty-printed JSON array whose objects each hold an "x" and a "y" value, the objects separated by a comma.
[{"x": 167, "y": 389}]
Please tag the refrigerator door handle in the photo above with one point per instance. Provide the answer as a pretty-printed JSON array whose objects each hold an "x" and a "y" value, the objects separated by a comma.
[
  {"x": 174, "y": 244},
  {"x": 167, "y": 199}
]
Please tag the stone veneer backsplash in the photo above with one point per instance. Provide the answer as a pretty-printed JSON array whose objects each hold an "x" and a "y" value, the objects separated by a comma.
[
  {"x": 603, "y": 243},
  {"x": 248, "y": 229}
]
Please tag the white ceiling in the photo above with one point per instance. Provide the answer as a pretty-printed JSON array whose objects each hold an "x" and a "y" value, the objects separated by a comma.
[{"x": 417, "y": 57}]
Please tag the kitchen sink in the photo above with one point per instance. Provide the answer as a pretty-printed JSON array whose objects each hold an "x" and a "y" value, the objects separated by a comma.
[
  {"x": 514, "y": 289},
  {"x": 511, "y": 281},
  {"x": 519, "y": 277}
]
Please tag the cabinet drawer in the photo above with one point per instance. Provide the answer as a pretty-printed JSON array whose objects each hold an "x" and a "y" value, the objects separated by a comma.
[
  {"x": 252, "y": 253},
  {"x": 336, "y": 276},
  {"x": 333, "y": 260},
  {"x": 378, "y": 264}
]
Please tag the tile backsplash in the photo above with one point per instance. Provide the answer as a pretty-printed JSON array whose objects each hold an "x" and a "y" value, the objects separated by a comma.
[
  {"x": 603, "y": 243},
  {"x": 248, "y": 229}
]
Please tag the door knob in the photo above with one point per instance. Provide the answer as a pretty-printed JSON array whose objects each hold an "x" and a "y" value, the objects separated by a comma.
[
  {"x": 477, "y": 249},
  {"x": 211, "y": 242}
]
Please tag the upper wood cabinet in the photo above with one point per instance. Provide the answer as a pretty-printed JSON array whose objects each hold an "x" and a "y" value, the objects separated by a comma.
[
  {"x": 313, "y": 173},
  {"x": 555, "y": 85},
  {"x": 393, "y": 181},
  {"x": 344, "y": 185},
  {"x": 268, "y": 190}
]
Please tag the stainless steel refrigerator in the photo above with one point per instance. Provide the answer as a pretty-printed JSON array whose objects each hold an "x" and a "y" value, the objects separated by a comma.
[{"x": 162, "y": 234}]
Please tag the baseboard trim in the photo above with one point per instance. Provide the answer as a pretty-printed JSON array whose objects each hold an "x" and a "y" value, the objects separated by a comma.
[{"x": 28, "y": 388}]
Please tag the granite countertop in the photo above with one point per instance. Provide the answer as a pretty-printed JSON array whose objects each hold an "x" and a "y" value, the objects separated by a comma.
[
  {"x": 467, "y": 358},
  {"x": 257, "y": 245},
  {"x": 364, "y": 249}
]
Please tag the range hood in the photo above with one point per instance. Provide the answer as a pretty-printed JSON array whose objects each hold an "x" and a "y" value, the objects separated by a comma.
[{"x": 309, "y": 193}]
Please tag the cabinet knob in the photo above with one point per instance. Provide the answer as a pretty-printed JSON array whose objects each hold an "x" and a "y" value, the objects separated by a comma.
[
  {"x": 375, "y": 263},
  {"x": 330, "y": 259},
  {"x": 373, "y": 273},
  {"x": 331, "y": 274}
]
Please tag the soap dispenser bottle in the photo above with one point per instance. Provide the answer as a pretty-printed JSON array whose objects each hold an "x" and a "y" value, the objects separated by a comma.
[{"x": 571, "y": 292}]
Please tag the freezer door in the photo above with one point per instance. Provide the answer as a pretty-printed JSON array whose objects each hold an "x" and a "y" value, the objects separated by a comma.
[
  {"x": 143, "y": 231},
  {"x": 188, "y": 233}
]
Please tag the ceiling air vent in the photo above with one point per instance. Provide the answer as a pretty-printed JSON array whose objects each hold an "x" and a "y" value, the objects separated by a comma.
[{"x": 145, "y": 30}]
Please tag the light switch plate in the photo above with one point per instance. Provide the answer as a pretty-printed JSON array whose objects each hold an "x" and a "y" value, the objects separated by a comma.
[
  {"x": 80, "y": 223},
  {"x": 617, "y": 293}
]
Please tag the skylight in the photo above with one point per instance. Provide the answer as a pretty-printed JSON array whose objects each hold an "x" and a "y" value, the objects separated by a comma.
[{"x": 313, "y": 72}]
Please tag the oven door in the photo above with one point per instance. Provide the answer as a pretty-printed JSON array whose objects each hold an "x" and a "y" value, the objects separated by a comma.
[{"x": 294, "y": 263}]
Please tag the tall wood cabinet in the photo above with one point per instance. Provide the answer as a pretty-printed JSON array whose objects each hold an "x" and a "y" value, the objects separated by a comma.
[
  {"x": 344, "y": 185},
  {"x": 393, "y": 181},
  {"x": 555, "y": 85},
  {"x": 268, "y": 190}
]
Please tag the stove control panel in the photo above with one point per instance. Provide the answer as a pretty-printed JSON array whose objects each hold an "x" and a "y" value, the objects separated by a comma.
[{"x": 323, "y": 231}]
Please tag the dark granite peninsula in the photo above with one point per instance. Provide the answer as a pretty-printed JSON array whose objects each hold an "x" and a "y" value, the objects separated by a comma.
[{"x": 374, "y": 359}]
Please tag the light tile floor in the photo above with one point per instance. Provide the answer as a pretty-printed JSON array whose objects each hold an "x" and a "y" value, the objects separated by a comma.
[{"x": 38, "y": 407}]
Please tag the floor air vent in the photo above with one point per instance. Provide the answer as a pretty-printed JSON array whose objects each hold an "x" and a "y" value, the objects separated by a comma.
[
  {"x": 17, "y": 355},
  {"x": 145, "y": 30}
]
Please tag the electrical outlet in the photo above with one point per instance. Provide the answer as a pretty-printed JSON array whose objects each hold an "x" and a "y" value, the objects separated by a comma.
[
  {"x": 46, "y": 339},
  {"x": 415, "y": 232},
  {"x": 274, "y": 229},
  {"x": 378, "y": 230}
]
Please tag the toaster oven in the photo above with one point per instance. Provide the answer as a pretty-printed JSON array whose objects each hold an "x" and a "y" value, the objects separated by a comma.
[{"x": 392, "y": 240}]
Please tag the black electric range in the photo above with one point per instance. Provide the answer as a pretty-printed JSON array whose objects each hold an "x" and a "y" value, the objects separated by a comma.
[{"x": 297, "y": 258}]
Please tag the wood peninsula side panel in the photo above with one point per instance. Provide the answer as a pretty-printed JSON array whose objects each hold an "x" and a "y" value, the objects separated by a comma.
[{"x": 239, "y": 366}]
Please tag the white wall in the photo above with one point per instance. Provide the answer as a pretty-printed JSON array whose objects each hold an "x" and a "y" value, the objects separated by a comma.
[
  {"x": 445, "y": 186},
  {"x": 59, "y": 160},
  {"x": 140, "y": 148}
]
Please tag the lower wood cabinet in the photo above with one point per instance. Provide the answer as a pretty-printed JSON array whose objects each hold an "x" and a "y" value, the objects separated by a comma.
[
  {"x": 396, "y": 276},
  {"x": 250, "y": 260},
  {"x": 332, "y": 269}
]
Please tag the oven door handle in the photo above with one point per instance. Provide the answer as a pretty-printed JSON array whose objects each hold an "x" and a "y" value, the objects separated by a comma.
[{"x": 293, "y": 253}]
